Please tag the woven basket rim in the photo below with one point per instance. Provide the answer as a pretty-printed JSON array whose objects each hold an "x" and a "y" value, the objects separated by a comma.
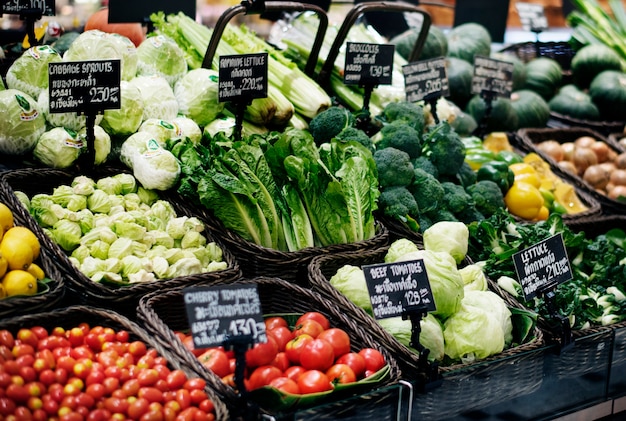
[{"x": 76, "y": 279}]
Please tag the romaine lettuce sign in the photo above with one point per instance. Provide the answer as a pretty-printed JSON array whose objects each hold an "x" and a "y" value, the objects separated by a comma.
[
  {"x": 542, "y": 266},
  {"x": 394, "y": 287},
  {"x": 242, "y": 77},
  {"x": 84, "y": 86},
  {"x": 19, "y": 6},
  {"x": 220, "y": 312}
]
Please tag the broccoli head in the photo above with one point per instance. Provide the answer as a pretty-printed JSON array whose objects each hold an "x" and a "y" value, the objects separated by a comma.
[
  {"x": 358, "y": 135},
  {"x": 394, "y": 167},
  {"x": 441, "y": 214},
  {"x": 455, "y": 198},
  {"x": 466, "y": 175},
  {"x": 329, "y": 123},
  {"x": 398, "y": 203},
  {"x": 444, "y": 147},
  {"x": 470, "y": 214},
  {"x": 427, "y": 190},
  {"x": 426, "y": 164},
  {"x": 487, "y": 197},
  {"x": 400, "y": 135},
  {"x": 424, "y": 222},
  {"x": 405, "y": 111}
]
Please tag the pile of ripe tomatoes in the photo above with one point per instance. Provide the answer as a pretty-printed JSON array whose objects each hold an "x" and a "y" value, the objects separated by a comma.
[
  {"x": 309, "y": 357},
  {"x": 93, "y": 373}
]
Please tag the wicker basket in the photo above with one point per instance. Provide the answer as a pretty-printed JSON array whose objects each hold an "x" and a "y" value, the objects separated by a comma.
[
  {"x": 615, "y": 138},
  {"x": 465, "y": 386},
  {"x": 562, "y": 121},
  {"x": 163, "y": 313},
  {"x": 124, "y": 298},
  {"x": 534, "y": 136},
  {"x": 69, "y": 317},
  {"x": 256, "y": 260}
]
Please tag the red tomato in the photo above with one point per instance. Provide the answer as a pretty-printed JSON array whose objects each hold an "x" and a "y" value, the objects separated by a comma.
[
  {"x": 215, "y": 360},
  {"x": 282, "y": 335},
  {"x": 308, "y": 326},
  {"x": 317, "y": 355},
  {"x": 341, "y": 373},
  {"x": 188, "y": 342},
  {"x": 355, "y": 361},
  {"x": 137, "y": 349},
  {"x": 281, "y": 361},
  {"x": 6, "y": 338},
  {"x": 339, "y": 340},
  {"x": 318, "y": 317},
  {"x": 262, "y": 353},
  {"x": 263, "y": 375},
  {"x": 294, "y": 347},
  {"x": 148, "y": 377},
  {"x": 7, "y": 406},
  {"x": 76, "y": 336},
  {"x": 374, "y": 360},
  {"x": 27, "y": 336},
  {"x": 176, "y": 379},
  {"x": 274, "y": 322},
  {"x": 152, "y": 394},
  {"x": 137, "y": 408},
  {"x": 286, "y": 385},
  {"x": 196, "y": 383},
  {"x": 313, "y": 381}
]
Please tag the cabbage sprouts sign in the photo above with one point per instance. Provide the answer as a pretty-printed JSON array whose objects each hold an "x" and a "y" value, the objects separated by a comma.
[
  {"x": 19, "y": 6},
  {"x": 542, "y": 266},
  {"x": 219, "y": 312},
  {"x": 84, "y": 86},
  {"x": 395, "y": 286}
]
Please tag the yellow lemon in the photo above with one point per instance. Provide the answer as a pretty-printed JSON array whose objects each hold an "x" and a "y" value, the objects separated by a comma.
[
  {"x": 6, "y": 218},
  {"x": 4, "y": 266},
  {"x": 24, "y": 235},
  {"x": 19, "y": 282},
  {"x": 35, "y": 270},
  {"x": 18, "y": 254}
]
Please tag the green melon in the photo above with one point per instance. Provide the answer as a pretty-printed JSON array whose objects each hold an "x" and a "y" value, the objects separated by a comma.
[
  {"x": 460, "y": 74},
  {"x": 544, "y": 76},
  {"x": 608, "y": 92},
  {"x": 591, "y": 60},
  {"x": 436, "y": 44},
  {"x": 519, "y": 68},
  {"x": 572, "y": 102},
  {"x": 468, "y": 40},
  {"x": 531, "y": 109},
  {"x": 501, "y": 118}
]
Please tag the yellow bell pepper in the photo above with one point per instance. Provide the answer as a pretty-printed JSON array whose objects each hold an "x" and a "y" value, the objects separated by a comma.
[{"x": 524, "y": 200}]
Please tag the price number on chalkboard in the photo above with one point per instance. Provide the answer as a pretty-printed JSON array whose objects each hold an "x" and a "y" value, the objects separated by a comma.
[
  {"x": 541, "y": 266},
  {"x": 19, "y": 6},
  {"x": 218, "y": 313},
  {"x": 532, "y": 16},
  {"x": 368, "y": 64},
  {"x": 492, "y": 76},
  {"x": 426, "y": 78},
  {"x": 395, "y": 286},
  {"x": 242, "y": 77}
]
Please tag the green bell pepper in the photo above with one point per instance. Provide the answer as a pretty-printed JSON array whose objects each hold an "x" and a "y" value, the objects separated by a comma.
[{"x": 498, "y": 172}]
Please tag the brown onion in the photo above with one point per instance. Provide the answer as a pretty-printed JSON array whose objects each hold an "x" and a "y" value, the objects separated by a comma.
[
  {"x": 620, "y": 161},
  {"x": 552, "y": 148},
  {"x": 568, "y": 167},
  {"x": 596, "y": 176},
  {"x": 618, "y": 193},
  {"x": 601, "y": 150},
  {"x": 618, "y": 177},
  {"x": 583, "y": 159},
  {"x": 568, "y": 150},
  {"x": 585, "y": 141}
]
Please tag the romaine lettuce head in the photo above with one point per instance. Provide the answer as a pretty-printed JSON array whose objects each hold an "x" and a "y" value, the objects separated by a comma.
[
  {"x": 187, "y": 128},
  {"x": 431, "y": 334},
  {"x": 350, "y": 281},
  {"x": 69, "y": 120},
  {"x": 127, "y": 119},
  {"x": 29, "y": 72},
  {"x": 398, "y": 248},
  {"x": 445, "y": 280},
  {"x": 58, "y": 148},
  {"x": 21, "y": 122},
  {"x": 160, "y": 55},
  {"x": 476, "y": 331},
  {"x": 158, "y": 98},
  {"x": 160, "y": 130},
  {"x": 197, "y": 95},
  {"x": 448, "y": 236}
]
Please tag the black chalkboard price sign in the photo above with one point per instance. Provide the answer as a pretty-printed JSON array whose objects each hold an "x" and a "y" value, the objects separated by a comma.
[
  {"x": 16, "y": 7},
  {"x": 532, "y": 16},
  {"x": 368, "y": 64},
  {"x": 218, "y": 313},
  {"x": 426, "y": 77},
  {"x": 393, "y": 287},
  {"x": 542, "y": 266},
  {"x": 242, "y": 77},
  {"x": 84, "y": 86},
  {"x": 492, "y": 76}
]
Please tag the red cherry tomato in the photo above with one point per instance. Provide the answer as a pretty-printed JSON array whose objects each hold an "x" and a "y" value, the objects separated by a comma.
[
  {"x": 313, "y": 381},
  {"x": 317, "y": 355},
  {"x": 263, "y": 375},
  {"x": 215, "y": 360},
  {"x": 341, "y": 373},
  {"x": 339, "y": 340},
  {"x": 6, "y": 338},
  {"x": 286, "y": 385},
  {"x": 274, "y": 322},
  {"x": 318, "y": 317},
  {"x": 262, "y": 353},
  {"x": 293, "y": 348},
  {"x": 355, "y": 361},
  {"x": 308, "y": 326},
  {"x": 176, "y": 379},
  {"x": 374, "y": 360}
]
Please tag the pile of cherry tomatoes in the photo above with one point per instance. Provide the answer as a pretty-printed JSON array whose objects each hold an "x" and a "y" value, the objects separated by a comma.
[
  {"x": 310, "y": 357},
  {"x": 90, "y": 374}
]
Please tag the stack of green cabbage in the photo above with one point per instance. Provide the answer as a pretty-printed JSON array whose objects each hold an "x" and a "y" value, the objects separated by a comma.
[{"x": 470, "y": 322}]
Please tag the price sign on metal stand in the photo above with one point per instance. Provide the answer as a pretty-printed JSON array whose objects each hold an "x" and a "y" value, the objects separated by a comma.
[
  {"x": 542, "y": 266},
  {"x": 368, "y": 64},
  {"x": 17, "y": 7},
  {"x": 221, "y": 312},
  {"x": 426, "y": 78},
  {"x": 492, "y": 76},
  {"x": 242, "y": 77},
  {"x": 394, "y": 287},
  {"x": 84, "y": 86},
  {"x": 532, "y": 16}
]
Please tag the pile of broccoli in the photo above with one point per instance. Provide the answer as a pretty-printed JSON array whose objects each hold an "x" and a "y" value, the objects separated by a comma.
[{"x": 422, "y": 173}]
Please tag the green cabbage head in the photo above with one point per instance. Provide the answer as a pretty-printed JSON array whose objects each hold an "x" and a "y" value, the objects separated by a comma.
[
  {"x": 449, "y": 236},
  {"x": 21, "y": 122},
  {"x": 197, "y": 96},
  {"x": 29, "y": 72},
  {"x": 350, "y": 281},
  {"x": 158, "y": 98},
  {"x": 431, "y": 334},
  {"x": 127, "y": 119},
  {"x": 58, "y": 148},
  {"x": 160, "y": 55}
]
